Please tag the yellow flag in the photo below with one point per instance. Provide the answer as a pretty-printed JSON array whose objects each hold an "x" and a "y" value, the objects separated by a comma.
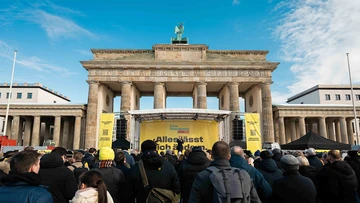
[
  {"x": 106, "y": 130},
  {"x": 253, "y": 133}
]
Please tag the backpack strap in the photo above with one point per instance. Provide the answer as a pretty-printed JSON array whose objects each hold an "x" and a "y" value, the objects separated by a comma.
[
  {"x": 73, "y": 166},
  {"x": 226, "y": 187},
  {"x": 241, "y": 183},
  {"x": 143, "y": 174}
]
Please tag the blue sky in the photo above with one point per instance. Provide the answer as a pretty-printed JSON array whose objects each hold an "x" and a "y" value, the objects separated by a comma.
[{"x": 309, "y": 38}]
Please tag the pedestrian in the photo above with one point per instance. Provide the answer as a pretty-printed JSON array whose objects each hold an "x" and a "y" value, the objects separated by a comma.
[
  {"x": 89, "y": 158},
  {"x": 305, "y": 169},
  {"x": 92, "y": 189},
  {"x": 313, "y": 159},
  {"x": 179, "y": 146},
  {"x": 268, "y": 168}
]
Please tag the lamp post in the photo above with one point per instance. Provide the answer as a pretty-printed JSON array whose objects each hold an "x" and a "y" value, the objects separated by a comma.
[
  {"x": 10, "y": 93},
  {"x": 353, "y": 102}
]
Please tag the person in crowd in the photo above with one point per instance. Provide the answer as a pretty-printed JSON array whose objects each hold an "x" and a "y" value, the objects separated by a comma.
[
  {"x": 162, "y": 153},
  {"x": 169, "y": 157},
  {"x": 305, "y": 169},
  {"x": 69, "y": 158},
  {"x": 208, "y": 154},
  {"x": 89, "y": 158},
  {"x": 179, "y": 146},
  {"x": 29, "y": 148},
  {"x": 113, "y": 178},
  {"x": 4, "y": 170},
  {"x": 189, "y": 168},
  {"x": 120, "y": 160},
  {"x": 293, "y": 187},
  {"x": 134, "y": 153},
  {"x": 353, "y": 160},
  {"x": 129, "y": 159},
  {"x": 160, "y": 173},
  {"x": 23, "y": 184},
  {"x": 187, "y": 153},
  {"x": 77, "y": 161},
  {"x": 268, "y": 168},
  {"x": 257, "y": 159},
  {"x": 203, "y": 189},
  {"x": 298, "y": 153},
  {"x": 92, "y": 189},
  {"x": 313, "y": 159},
  {"x": 237, "y": 160},
  {"x": 277, "y": 154},
  {"x": 337, "y": 180},
  {"x": 61, "y": 180}
]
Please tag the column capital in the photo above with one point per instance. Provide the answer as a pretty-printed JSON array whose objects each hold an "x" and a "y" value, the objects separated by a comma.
[
  {"x": 201, "y": 83},
  {"x": 125, "y": 82},
  {"x": 92, "y": 82},
  {"x": 266, "y": 83},
  {"x": 159, "y": 83},
  {"x": 233, "y": 83},
  {"x": 348, "y": 119}
]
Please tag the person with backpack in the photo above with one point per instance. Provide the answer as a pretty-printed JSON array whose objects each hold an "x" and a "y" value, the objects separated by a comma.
[
  {"x": 78, "y": 167},
  {"x": 222, "y": 183}
]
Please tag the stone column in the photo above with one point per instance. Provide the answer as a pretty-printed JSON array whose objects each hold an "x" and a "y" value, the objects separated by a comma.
[
  {"x": 322, "y": 125},
  {"x": 201, "y": 95},
  {"x": 302, "y": 126},
  {"x": 27, "y": 132},
  {"x": 194, "y": 97},
  {"x": 47, "y": 131},
  {"x": 65, "y": 133},
  {"x": 310, "y": 125},
  {"x": 337, "y": 130},
  {"x": 293, "y": 129},
  {"x": 350, "y": 130},
  {"x": 125, "y": 96},
  {"x": 234, "y": 96},
  {"x": 331, "y": 130},
  {"x": 57, "y": 127},
  {"x": 35, "y": 138},
  {"x": 77, "y": 128},
  {"x": 159, "y": 95},
  {"x": 91, "y": 116},
  {"x": 343, "y": 129},
  {"x": 15, "y": 128},
  {"x": 281, "y": 130},
  {"x": 267, "y": 118},
  {"x": 276, "y": 130}
]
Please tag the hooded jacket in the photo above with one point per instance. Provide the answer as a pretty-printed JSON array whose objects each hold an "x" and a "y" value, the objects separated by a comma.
[
  {"x": 354, "y": 162},
  {"x": 61, "y": 180},
  {"x": 337, "y": 183},
  {"x": 188, "y": 169},
  {"x": 262, "y": 186},
  {"x": 315, "y": 161},
  {"x": 160, "y": 174},
  {"x": 25, "y": 187},
  {"x": 270, "y": 171},
  {"x": 89, "y": 195},
  {"x": 310, "y": 172}
]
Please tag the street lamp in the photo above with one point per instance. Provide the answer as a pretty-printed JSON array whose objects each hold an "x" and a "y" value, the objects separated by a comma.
[{"x": 353, "y": 102}]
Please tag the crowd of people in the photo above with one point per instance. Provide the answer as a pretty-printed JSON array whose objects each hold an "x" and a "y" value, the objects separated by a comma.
[{"x": 222, "y": 174}]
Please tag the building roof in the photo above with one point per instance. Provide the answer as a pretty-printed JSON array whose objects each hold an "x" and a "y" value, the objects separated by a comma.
[
  {"x": 35, "y": 85},
  {"x": 321, "y": 87}
]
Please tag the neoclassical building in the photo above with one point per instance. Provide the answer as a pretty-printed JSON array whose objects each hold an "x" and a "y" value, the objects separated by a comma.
[{"x": 178, "y": 70}]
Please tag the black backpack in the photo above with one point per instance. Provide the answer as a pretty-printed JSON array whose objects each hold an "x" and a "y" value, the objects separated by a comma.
[{"x": 79, "y": 170}]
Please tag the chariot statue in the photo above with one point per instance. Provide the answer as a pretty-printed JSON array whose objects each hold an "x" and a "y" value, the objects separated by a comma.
[{"x": 179, "y": 31}]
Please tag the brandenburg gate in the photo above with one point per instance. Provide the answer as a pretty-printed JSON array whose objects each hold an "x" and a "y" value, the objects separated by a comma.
[{"x": 179, "y": 70}]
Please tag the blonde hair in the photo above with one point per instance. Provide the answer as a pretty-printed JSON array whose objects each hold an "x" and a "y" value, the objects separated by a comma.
[
  {"x": 303, "y": 161},
  {"x": 5, "y": 166}
]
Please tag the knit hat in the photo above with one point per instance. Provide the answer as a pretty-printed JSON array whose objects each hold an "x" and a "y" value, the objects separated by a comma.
[
  {"x": 106, "y": 153},
  {"x": 310, "y": 151},
  {"x": 257, "y": 153},
  {"x": 289, "y": 163}
]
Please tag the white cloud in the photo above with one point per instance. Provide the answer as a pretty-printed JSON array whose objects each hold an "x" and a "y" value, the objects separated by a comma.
[
  {"x": 32, "y": 62},
  {"x": 48, "y": 16},
  {"x": 315, "y": 36},
  {"x": 236, "y": 2}
]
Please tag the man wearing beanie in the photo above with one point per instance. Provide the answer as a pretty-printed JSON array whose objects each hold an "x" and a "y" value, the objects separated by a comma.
[
  {"x": 113, "y": 178},
  {"x": 293, "y": 187}
]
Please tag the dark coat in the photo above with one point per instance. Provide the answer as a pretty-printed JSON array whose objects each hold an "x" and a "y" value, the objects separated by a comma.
[
  {"x": 315, "y": 161},
  {"x": 262, "y": 186},
  {"x": 60, "y": 179},
  {"x": 89, "y": 159},
  {"x": 202, "y": 189},
  {"x": 129, "y": 159},
  {"x": 337, "y": 183},
  {"x": 171, "y": 159},
  {"x": 310, "y": 172},
  {"x": 188, "y": 169},
  {"x": 276, "y": 157},
  {"x": 270, "y": 171},
  {"x": 115, "y": 182},
  {"x": 180, "y": 143},
  {"x": 2, "y": 174},
  {"x": 24, "y": 187},
  {"x": 293, "y": 187},
  {"x": 354, "y": 162},
  {"x": 160, "y": 174},
  {"x": 126, "y": 171}
]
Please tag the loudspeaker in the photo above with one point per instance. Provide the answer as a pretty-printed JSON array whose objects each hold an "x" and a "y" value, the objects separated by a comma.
[
  {"x": 121, "y": 126},
  {"x": 238, "y": 129}
]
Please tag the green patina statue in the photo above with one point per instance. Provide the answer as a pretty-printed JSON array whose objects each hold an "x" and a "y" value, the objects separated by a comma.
[{"x": 179, "y": 31}]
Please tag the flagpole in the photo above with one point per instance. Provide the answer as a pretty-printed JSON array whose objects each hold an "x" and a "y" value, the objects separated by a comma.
[
  {"x": 353, "y": 103},
  {"x": 10, "y": 94}
]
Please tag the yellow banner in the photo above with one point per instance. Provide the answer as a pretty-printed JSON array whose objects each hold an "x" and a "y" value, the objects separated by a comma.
[
  {"x": 253, "y": 132},
  {"x": 106, "y": 130},
  {"x": 194, "y": 133}
]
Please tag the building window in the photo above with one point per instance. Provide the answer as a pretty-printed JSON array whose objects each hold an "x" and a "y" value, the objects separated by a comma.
[
  {"x": 327, "y": 96},
  {"x": 347, "y": 97},
  {"x": 337, "y": 97},
  {"x": 18, "y": 95},
  {"x": 357, "y": 97},
  {"x": 7, "y": 95},
  {"x": 29, "y": 95},
  {"x": 0, "y": 94}
]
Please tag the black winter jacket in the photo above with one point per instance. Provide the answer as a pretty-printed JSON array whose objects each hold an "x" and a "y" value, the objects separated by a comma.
[
  {"x": 188, "y": 169},
  {"x": 354, "y": 162},
  {"x": 270, "y": 171},
  {"x": 337, "y": 183},
  {"x": 61, "y": 180},
  {"x": 115, "y": 181},
  {"x": 160, "y": 174},
  {"x": 310, "y": 172},
  {"x": 293, "y": 188},
  {"x": 315, "y": 161}
]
